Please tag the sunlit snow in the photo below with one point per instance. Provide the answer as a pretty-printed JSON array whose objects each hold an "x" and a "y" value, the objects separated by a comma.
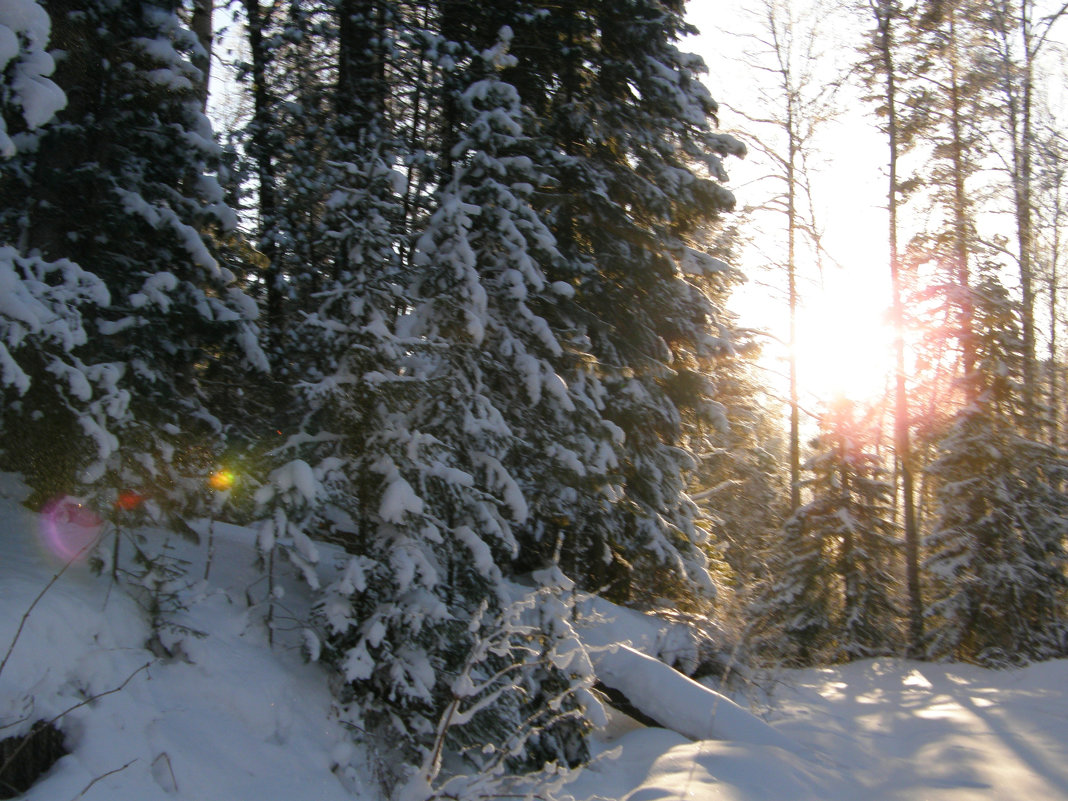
[{"x": 228, "y": 718}]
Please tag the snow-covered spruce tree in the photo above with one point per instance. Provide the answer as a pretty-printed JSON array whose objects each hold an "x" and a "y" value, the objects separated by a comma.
[
  {"x": 562, "y": 451},
  {"x": 740, "y": 483},
  {"x": 40, "y": 301},
  {"x": 852, "y": 503},
  {"x": 490, "y": 391},
  {"x": 416, "y": 404},
  {"x": 120, "y": 184},
  {"x": 831, "y": 598},
  {"x": 348, "y": 377},
  {"x": 996, "y": 561},
  {"x": 336, "y": 289},
  {"x": 795, "y": 610},
  {"x": 741, "y": 487},
  {"x": 636, "y": 174},
  {"x": 299, "y": 87}
]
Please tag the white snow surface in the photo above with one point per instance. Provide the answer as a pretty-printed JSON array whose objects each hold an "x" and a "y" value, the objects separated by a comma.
[
  {"x": 878, "y": 730},
  {"x": 232, "y": 719}
]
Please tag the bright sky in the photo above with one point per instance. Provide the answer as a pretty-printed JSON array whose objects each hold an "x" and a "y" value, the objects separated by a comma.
[{"x": 843, "y": 341}]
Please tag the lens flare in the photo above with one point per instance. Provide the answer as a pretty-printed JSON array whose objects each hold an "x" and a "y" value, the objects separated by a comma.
[
  {"x": 222, "y": 480},
  {"x": 69, "y": 527},
  {"x": 129, "y": 500}
]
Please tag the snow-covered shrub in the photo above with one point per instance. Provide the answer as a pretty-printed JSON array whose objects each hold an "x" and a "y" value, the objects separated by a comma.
[
  {"x": 510, "y": 709},
  {"x": 697, "y": 645}
]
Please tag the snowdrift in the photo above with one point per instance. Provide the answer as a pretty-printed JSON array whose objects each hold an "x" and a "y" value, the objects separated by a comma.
[{"x": 679, "y": 703}]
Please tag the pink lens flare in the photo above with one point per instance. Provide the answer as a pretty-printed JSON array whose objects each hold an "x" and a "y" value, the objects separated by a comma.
[{"x": 69, "y": 527}]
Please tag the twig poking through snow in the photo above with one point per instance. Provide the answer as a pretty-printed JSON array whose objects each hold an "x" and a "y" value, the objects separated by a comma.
[
  {"x": 102, "y": 776},
  {"x": 40, "y": 595}
]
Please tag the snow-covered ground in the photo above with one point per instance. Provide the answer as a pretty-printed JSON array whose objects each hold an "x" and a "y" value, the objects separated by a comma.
[
  {"x": 230, "y": 719},
  {"x": 884, "y": 730}
]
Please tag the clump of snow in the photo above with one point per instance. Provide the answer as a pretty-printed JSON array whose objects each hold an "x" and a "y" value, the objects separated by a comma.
[
  {"x": 563, "y": 289},
  {"x": 40, "y": 304},
  {"x": 26, "y": 65},
  {"x": 680, "y": 703},
  {"x": 399, "y": 500}
]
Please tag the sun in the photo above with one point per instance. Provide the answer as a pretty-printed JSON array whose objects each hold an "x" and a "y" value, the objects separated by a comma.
[{"x": 845, "y": 342}]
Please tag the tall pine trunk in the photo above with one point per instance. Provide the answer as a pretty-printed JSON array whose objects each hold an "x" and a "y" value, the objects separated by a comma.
[
  {"x": 202, "y": 25},
  {"x": 885, "y": 14},
  {"x": 266, "y": 172},
  {"x": 961, "y": 221},
  {"x": 1021, "y": 40},
  {"x": 791, "y": 228}
]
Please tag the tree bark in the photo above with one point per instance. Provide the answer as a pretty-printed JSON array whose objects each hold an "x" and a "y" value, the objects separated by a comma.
[
  {"x": 885, "y": 45},
  {"x": 266, "y": 173},
  {"x": 961, "y": 217},
  {"x": 791, "y": 267},
  {"x": 202, "y": 24}
]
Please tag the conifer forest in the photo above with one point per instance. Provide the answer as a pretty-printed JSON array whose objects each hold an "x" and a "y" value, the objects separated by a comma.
[{"x": 451, "y": 304}]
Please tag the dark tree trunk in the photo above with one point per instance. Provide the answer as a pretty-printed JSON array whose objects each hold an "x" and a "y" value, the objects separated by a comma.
[
  {"x": 884, "y": 17},
  {"x": 266, "y": 173},
  {"x": 202, "y": 24}
]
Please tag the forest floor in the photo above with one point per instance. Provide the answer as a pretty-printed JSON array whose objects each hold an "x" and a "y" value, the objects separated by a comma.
[{"x": 228, "y": 718}]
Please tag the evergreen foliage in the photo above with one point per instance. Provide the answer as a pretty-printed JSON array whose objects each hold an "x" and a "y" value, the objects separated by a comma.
[
  {"x": 832, "y": 598},
  {"x": 41, "y": 308},
  {"x": 996, "y": 553},
  {"x": 496, "y": 365},
  {"x": 120, "y": 184},
  {"x": 28, "y": 97},
  {"x": 740, "y": 481},
  {"x": 637, "y": 170},
  {"x": 431, "y": 381}
]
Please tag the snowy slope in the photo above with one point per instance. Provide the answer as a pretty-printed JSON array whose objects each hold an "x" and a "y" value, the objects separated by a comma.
[{"x": 233, "y": 720}]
